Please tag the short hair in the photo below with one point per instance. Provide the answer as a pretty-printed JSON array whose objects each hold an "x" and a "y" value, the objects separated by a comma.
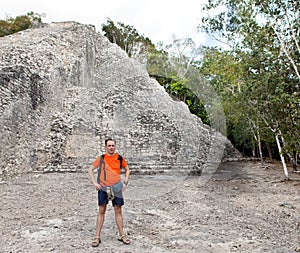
[{"x": 109, "y": 139}]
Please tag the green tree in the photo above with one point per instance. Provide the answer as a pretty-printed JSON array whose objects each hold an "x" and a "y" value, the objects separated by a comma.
[
  {"x": 180, "y": 63},
  {"x": 128, "y": 38},
  {"x": 264, "y": 39},
  {"x": 20, "y": 23}
]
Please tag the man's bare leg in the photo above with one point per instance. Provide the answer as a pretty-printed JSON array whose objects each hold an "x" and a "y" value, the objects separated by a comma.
[
  {"x": 119, "y": 222},
  {"x": 99, "y": 224}
]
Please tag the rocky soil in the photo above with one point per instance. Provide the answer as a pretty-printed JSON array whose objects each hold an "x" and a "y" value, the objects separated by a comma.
[{"x": 243, "y": 207}]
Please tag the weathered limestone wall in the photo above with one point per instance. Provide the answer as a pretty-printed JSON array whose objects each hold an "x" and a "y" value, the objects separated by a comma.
[{"x": 64, "y": 88}]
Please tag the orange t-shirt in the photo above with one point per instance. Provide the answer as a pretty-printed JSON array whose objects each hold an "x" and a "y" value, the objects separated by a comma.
[{"x": 112, "y": 169}]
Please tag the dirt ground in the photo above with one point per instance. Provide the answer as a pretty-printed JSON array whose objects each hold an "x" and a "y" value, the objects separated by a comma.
[{"x": 243, "y": 207}]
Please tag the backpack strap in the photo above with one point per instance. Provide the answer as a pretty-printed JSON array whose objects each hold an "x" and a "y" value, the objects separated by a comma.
[
  {"x": 120, "y": 158},
  {"x": 100, "y": 168}
]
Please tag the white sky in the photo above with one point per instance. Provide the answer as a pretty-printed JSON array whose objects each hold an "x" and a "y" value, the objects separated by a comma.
[{"x": 155, "y": 19}]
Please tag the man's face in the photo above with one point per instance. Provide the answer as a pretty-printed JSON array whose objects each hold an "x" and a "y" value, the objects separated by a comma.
[{"x": 110, "y": 147}]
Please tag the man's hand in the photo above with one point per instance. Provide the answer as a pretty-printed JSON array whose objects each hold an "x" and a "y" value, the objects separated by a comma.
[
  {"x": 124, "y": 187},
  {"x": 92, "y": 178},
  {"x": 97, "y": 186}
]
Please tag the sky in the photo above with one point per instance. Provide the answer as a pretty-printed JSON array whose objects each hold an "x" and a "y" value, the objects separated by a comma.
[{"x": 156, "y": 19}]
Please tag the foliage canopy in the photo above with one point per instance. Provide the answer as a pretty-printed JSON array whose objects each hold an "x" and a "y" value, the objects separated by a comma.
[{"x": 20, "y": 23}]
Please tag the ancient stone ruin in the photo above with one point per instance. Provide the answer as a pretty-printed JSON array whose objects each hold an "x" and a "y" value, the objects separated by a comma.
[{"x": 64, "y": 88}]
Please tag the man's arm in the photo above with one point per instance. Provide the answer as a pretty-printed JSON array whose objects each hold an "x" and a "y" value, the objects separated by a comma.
[
  {"x": 127, "y": 173},
  {"x": 92, "y": 177}
]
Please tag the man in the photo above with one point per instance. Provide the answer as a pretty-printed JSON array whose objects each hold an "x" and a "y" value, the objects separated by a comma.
[{"x": 109, "y": 176}]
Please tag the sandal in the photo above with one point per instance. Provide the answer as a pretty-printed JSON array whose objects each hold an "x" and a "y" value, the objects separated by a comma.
[
  {"x": 96, "y": 242},
  {"x": 124, "y": 240}
]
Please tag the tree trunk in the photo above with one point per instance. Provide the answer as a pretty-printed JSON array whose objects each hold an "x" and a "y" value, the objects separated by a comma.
[
  {"x": 270, "y": 153},
  {"x": 259, "y": 148},
  {"x": 292, "y": 157},
  {"x": 286, "y": 173},
  {"x": 294, "y": 162}
]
